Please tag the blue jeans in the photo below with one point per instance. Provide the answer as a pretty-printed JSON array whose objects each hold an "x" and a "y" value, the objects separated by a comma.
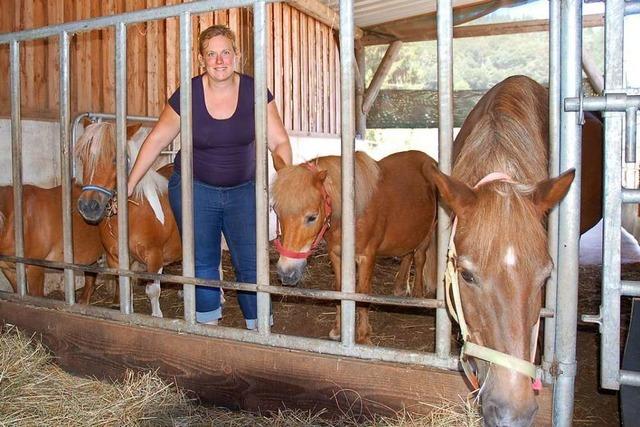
[{"x": 216, "y": 210}]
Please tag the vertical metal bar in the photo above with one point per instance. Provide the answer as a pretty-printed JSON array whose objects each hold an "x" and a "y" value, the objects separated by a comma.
[
  {"x": 569, "y": 216},
  {"x": 445, "y": 145},
  {"x": 262, "y": 188},
  {"x": 126, "y": 305},
  {"x": 186, "y": 166},
  {"x": 347, "y": 86},
  {"x": 66, "y": 165},
  {"x": 16, "y": 166},
  {"x": 554, "y": 170},
  {"x": 630, "y": 135},
  {"x": 610, "y": 307}
]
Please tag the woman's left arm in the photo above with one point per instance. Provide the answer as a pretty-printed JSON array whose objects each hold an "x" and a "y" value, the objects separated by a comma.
[{"x": 277, "y": 137}]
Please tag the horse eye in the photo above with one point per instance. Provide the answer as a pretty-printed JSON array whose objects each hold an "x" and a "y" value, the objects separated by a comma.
[
  {"x": 310, "y": 219},
  {"x": 468, "y": 277}
]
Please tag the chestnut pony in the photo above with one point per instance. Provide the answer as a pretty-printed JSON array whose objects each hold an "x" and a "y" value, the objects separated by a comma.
[
  {"x": 154, "y": 239},
  {"x": 395, "y": 216},
  {"x": 42, "y": 225},
  {"x": 502, "y": 257}
]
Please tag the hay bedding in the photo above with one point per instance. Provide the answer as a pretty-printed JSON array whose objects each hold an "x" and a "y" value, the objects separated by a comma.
[{"x": 34, "y": 391}]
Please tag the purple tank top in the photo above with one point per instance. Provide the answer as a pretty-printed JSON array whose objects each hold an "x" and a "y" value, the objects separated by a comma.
[{"x": 223, "y": 150}]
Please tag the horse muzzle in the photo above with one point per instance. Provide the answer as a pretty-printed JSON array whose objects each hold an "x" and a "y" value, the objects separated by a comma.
[
  {"x": 290, "y": 270},
  {"x": 92, "y": 209}
]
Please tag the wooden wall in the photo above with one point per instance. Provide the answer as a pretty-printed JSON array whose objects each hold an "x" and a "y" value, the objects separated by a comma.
[{"x": 303, "y": 60}]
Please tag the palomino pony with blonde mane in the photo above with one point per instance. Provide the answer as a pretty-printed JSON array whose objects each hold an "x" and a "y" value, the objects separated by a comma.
[
  {"x": 395, "y": 216},
  {"x": 42, "y": 225},
  {"x": 499, "y": 192},
  {"x": 154, "y": 239}
]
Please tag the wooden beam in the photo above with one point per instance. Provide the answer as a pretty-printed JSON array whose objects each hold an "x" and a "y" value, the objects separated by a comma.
[
  {"x": 595, "y": 77},
  {"x": 323, "y": 13},
  {"x": 241, "y": 375},
  {"x": 381, "y": 74},
  {"x": 359, "y": 65}
]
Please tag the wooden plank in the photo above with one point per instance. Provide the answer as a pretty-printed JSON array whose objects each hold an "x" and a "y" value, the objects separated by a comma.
[
  {"x": 313, "y": 100},
  {"x": 155, "y": 63},
  {"x": 221, "y": 17},
  {"x": 319, "y": 78},
  {"x": 240, "y": 375},
  {"x": 136, "y": 62},
  {"x": 295, "y": 68},
  {"x": 27, "y": 70},
  {"x": 323, "y": 13},
  {"x": 97, "y": 67},
  {"x": 6, "y": 26},
  {"x": 326, "y": 106},
  {"x": 332, "y": 82},
  {"x": 286, "y": 63},
  {"x": 83, "y": 67},
  {"x": 304, "y": 73},
  {"x": 108, "y": 50},
  {"x": 74, "y": 53},
  {"x": 338, "y": 92},
  {"x": 234, "y": 20},
  {"x": 381, "y": 74},
  {"x": 172, "y": 60},
  {"x": 55, "y": 15},
  {"x": 40, "y": 65},
  {"x": 195, "y": 34},
  {"x": 277, "y": 53},
  {"x": 270, "y": 59}
]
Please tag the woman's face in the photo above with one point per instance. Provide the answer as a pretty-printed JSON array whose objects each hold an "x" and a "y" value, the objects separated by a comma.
[{"x": 218, "y": 58}]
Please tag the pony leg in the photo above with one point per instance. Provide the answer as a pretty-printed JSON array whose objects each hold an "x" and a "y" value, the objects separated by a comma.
[
  {"x": 401, "y": 282},
  {"x": 365, "y": 273},
  {"x": 153, "y": 292},
  {"x": 430, "y": 269},
  {"x": 35, "y": 280},
  {"x": 335, "y": 332},
  {"x": 87, "y": 291},
  {"x": 112, "y": 262},
  {"x": 9, "y": 271}
]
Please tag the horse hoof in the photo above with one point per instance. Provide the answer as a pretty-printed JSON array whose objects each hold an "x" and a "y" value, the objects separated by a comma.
[
  {"x": 334, "y": 335},
  {"x": 158, "y": 315},
  {"x": 364, "y": 341}
]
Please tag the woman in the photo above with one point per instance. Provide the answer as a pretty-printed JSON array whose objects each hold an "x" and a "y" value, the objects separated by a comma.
[{"x": 223, "y": 167}]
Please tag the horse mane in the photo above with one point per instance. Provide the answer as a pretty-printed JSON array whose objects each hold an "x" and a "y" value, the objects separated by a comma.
[
  {"x": 98, "y": 144},
  {"x": 290, "y": 190}
]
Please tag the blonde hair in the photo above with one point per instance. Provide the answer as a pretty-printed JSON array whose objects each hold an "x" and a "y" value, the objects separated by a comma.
[{"x": 213, "y": 31}]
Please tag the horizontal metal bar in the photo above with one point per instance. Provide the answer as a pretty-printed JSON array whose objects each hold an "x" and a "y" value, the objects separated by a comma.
[
  {"x": 243, "y": 335},
  {"x": 277, "y": 290},
  {"x": 630, "y": 195},
  {"x": 126, "y": 18},
  {"x": 631, "y": 8},
  {"x": 616, "y": 102},
  {"x": 630, "y": 288},
  {"x": 630, "y": 378},
  {"x": 238, "y": 286},
  {"x": 113, "y": 116}
]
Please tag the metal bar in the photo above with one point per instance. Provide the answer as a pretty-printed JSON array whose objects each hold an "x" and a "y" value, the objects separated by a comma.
[
  {"x": 262, "y": 168},
  {"x": 631, "y": 8},
  {"x": 186, "y": 166},
  {"x": 551, "y": 290},
  {"x": 569, "y": 217},
  {"x": 239, "y": 286},
  {"x": 347, "y": 83},
  {"x": 630, "y": 134},
  {"x": 277, "y": 340},
  {"x": 143, "y": 15},
  {"x": 66, "y": 164},
  {"x": 16, "y": 164},
  {"x": 630, "y": 288},
  {"x": 630, "y": 195},
  {"x": 445, "y": 148},
  {"x": 610, "y": 102},
  {"x": 612, "y": 211},
  {"x": 630, "y": 378},
  {"x": 126, "y": 303}
]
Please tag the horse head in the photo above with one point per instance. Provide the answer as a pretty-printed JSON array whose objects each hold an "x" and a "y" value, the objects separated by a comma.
[
  {"x": 502, "y": 264},
  {"x": 304, "y": 210},
  {"x": 96, "y": 150}
]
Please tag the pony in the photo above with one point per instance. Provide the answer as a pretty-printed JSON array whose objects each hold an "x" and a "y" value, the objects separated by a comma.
[
  {"x": 154, "y": 239},
  {"x": 502, "y": 260},
  {"x": 42, "y": 225},
  {"x": 395, "y": 216}
]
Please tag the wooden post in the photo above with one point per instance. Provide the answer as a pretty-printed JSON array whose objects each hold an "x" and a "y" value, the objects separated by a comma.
[
  {"x": 361, "y": 116},
  {"x": 381, "y": 74},
  {"x": 594, "y": 75}
]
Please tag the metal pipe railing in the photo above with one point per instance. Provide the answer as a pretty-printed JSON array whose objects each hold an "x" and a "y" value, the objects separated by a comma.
[
  {"x": 630, "y": 288},
  {"x": 569, "y": 217},
  {"x": 445, "y": 148}
]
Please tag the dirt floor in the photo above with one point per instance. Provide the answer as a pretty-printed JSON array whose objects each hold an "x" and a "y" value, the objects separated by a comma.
[{"x": 399, "y": 327}]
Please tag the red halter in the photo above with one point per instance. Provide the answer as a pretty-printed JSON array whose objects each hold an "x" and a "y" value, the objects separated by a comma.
[{"x": 325, "y": 226}]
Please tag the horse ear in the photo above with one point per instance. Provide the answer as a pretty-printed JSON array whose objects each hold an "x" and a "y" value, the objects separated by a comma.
[
  {"x": 550, "y": 191},
  {"x": 278, "y": 163},
  {"x": 322, "y": 175},
  {"x": 455, "y": 194},
  {"x": 132, "y": 129}
]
